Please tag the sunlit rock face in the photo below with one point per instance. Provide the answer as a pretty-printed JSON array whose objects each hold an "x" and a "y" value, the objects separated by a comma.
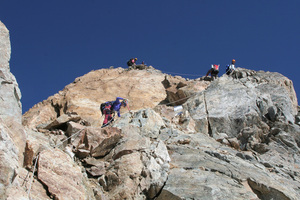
[
  {"x": 143, "y": 88},
  {"x": 236, "y": 137},
  {"x": 12, "y": 134}
]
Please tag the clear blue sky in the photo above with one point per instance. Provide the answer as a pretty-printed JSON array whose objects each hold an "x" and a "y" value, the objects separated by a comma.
[{"x": 54, "y": 42}]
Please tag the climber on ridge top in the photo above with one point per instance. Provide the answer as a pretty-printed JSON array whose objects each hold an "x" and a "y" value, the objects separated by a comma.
[
  {"x": 214, "y": 71},
  {"x": 110, "y": 107},
  {"x": 230, "y": 68},
  {"x": 131, "y": 62}
]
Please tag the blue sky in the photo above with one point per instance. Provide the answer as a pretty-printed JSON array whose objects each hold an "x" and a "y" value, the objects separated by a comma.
[{"x": 54, "y": 42}]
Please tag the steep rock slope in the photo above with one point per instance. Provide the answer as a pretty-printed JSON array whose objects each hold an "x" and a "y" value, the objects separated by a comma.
[
  {"x": 254, "y": 114},
  {"x": 236, "y": 138},
  {"x": 12, "y": 134},
  {"x": 10, "y": 104}
]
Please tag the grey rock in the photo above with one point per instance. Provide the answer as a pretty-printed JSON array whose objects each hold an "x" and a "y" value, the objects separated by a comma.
[
  {"x": 148, "y": 120},
  {"x": 10, "y": 94}
]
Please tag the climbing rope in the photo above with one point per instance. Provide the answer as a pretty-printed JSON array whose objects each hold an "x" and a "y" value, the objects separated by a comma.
[
  {"x": 198, "y": 75},
  {"x": 179, "y": 100},
  {"x": 104, "y": 125},
  {"x": 31, "y": 181},
  {"x": 75, "y": 134}
]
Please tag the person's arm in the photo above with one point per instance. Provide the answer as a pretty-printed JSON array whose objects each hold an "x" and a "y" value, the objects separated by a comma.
[
  {"x": 118, "y": 99},
  {"x": 209, "y": 71},
  {"x": 118, "y": 105}
]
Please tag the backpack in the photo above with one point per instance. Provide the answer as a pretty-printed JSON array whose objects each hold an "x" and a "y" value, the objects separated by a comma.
[
  {"x": 227, "y": 67},
  {"x": 106, "y": 105}
]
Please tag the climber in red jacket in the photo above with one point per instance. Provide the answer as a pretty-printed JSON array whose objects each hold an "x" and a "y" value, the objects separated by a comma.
[{"x": 214, "y": 71}]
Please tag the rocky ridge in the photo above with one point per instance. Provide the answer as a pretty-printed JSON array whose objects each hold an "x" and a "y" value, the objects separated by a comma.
[{"x": 236, "y": 137}]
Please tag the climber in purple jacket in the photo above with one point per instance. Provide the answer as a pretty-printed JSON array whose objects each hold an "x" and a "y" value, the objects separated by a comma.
[
  {"x": 110, "y": 107},
  {"x": 116, "y": 106}
]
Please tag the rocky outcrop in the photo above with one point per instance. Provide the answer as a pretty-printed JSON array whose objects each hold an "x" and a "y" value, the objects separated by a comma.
[
  {"x": 143, "y": 88},
  {"x": 251, "y": 111},
  {"x": 252, "y": 101},
  {"x": 12, "y": 134},
  {"x": 10, "y": 94},
  {"x": 237, "y": 137},
  {"x": 234, "y": 138}
]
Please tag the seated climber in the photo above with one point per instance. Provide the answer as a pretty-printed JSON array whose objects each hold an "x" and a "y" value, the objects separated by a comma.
[
  {"x": 110, "y": 107},
  {"x": 214, "y": 71},
  {"x": 131, "y": 62},
  {"x": 230, "y": 68}
]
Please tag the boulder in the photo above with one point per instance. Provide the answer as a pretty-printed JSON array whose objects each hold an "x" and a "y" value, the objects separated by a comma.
[
  {"x": 61, "y": 175},
  {"x": 147, "y": 119},
  {"x": 60, "y": 122},
  {"x": 96, "y": 141},
  {"x": 138, "y": 168}
]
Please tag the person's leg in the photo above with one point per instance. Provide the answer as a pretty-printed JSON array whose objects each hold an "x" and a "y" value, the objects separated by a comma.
[
  {"x": 107, "y": 113},
  {"x": 106, "y": 119}
]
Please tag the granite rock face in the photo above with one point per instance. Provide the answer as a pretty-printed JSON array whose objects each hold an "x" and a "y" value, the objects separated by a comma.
[
  {"x": 12, "y": 133},
  {"x": 234, "y": 138},
  {"x": 237, "y": 137},
  {"x": 10, "y": 104}
]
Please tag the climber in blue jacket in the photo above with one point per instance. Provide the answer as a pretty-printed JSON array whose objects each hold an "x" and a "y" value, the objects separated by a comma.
[
  {"x": 116, "y": 105},
  {"x": 110, "y": 107}
]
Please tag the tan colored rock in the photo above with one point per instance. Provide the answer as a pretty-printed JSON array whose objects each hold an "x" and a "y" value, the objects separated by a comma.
[
  {"x": 35, "y": 143},
  {"x": 128, "y": 176},
  {"x": 97, "y": 169},
  {"x": 28, "y": 155},
  {"x": 143, "y": 88},
  {"x": 179, "y": 90},
  {"x": 96, "y": 141},
  {"x": 62, "y": 120},
  {"x": 62, "y": 177},
  {"x": 18, "y": 135},
  {"x": 107, "y": 144},
  {"x": 73, "y": 128},
  {"x": 21, "y": 186},
  {"x": 46, "y": 114},
  {"x": 234, "y": 143},
  {"x": 12, "y": 145}
]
